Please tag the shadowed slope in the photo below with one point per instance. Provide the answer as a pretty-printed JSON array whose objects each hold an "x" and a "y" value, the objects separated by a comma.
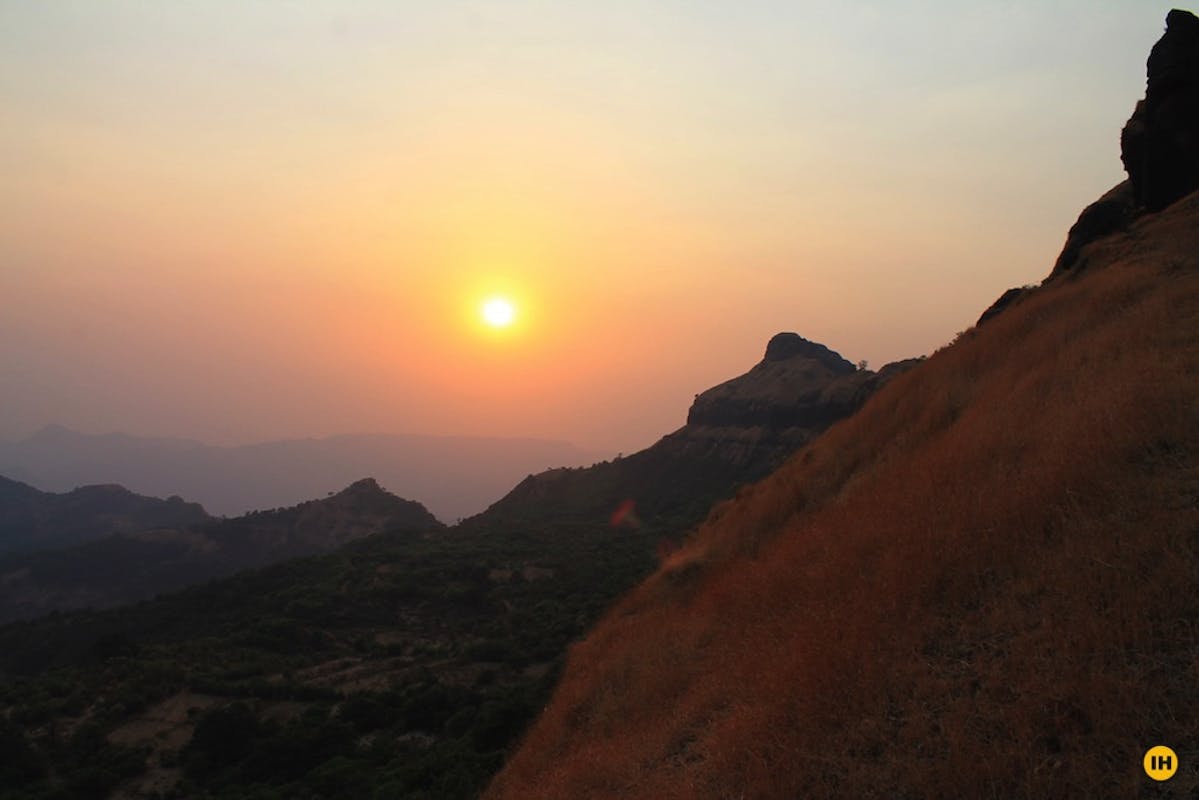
[
  {"x": 33, "y": 520},
  {"x": 992, "y": 564},
  {"x": 127, "y": 567},
  {"x": 738, "y": 431}
]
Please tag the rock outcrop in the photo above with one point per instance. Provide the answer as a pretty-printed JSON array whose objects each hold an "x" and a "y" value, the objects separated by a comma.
[
  {"x": 1159, "y": 147},
  {"x": 1160, "y": 143},
  {"x": 1111, "y": 213},
  {"x": 797, "y": 383}
]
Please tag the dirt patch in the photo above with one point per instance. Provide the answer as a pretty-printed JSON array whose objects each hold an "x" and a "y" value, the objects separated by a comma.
[
  {"x": 165, "y": 728},
  {"x": 167, "y": 725}
]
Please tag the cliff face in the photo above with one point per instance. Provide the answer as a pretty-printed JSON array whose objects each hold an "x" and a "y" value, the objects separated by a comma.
[
  {"x": 797, "y": 384},
  {"x": 795, "y": 392},
  {"x": 1160, "y": 143},
  {"x": 904, "y": 596},
  {"x": 736, "y": 433}
]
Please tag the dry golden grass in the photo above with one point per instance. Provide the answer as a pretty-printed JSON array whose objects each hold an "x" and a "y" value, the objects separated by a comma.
[{"x": 982, "y": 585}]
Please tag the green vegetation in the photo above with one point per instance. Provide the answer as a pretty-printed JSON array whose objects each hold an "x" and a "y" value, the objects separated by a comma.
[{"x": 402, "y": 666}]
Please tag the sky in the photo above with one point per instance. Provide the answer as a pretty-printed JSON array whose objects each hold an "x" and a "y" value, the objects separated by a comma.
[{"x": 238, "y": 221}]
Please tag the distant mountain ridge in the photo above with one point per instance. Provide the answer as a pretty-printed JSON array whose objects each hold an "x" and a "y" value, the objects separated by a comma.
[
  {"x": 453, "y": 476},
  {"x": 900, "y": 599},
  {"x": 34, "y": 520},
  {"x": 136, "y": 563},
  {"x": 737, "y": 432}
]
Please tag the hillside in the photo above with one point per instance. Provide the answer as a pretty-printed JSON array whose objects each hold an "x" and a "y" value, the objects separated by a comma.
[
  {"x": 454, "y": 476},
  {"x": 136, "y": 565},
  {"x": 736, "y": 433},
  {"x": 993, "y": 563},
  {"x": 33, "y": 520},
  {"x": 981, "y": 585},
  {"x": 403, "y": 664}
]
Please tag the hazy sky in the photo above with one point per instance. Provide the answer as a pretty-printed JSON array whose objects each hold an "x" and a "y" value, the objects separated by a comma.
[{"x": 236, "y": 221}]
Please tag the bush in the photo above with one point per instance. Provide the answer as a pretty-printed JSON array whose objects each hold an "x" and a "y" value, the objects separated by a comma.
[{"x": 223, "y": 736}]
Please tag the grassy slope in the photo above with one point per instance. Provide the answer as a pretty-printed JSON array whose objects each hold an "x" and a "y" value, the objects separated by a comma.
[{"x": 982, "y": 585}]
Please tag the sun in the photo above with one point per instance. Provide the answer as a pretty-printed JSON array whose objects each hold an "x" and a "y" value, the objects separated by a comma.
[{"x": 498, "y": 312}]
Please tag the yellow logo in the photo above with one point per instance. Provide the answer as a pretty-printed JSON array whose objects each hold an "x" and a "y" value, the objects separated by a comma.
[{"x": 1160, "y": 763}]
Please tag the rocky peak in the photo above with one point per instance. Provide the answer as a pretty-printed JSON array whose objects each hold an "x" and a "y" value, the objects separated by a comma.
[
  {"x": 783, "y": 346},
  {"x": 798, "y": 383},
  {"x": 1159, "y": 146},
  {"x": 1160, "y": 143},
  {"x": 736, "y": 432}
]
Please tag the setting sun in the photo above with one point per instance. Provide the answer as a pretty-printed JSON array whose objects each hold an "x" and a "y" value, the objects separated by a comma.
[{"x": 499, "y": 312}]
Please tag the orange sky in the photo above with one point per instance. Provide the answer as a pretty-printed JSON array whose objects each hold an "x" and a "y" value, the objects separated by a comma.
[{"x": 237, "y": 223}]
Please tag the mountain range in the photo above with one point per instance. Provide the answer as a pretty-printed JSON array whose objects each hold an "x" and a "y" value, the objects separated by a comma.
[
  {"x": 454, "y": 476},
  {"x": 36, "y": 520},
  {"x": 167, "y": 553},
  {"x": 969, "y": 576},
  {"x": 736, "y": 432},
  {"x": 447, "y": 640}
]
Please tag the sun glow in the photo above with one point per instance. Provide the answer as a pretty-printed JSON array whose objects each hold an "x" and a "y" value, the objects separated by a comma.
[{"x": 498, "y": 312}]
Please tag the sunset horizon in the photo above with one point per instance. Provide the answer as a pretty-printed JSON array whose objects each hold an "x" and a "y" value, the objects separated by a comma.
[
  {"x": 235, "y": 225},
  {"x": 520, "y": 400}
]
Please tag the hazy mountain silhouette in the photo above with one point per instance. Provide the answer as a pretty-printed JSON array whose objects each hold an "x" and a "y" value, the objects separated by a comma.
[
  {"x": 138, "y": 562},
  {"x": 36, "y": 520},
  {"x": 981, "y": 583},
  {"x": 736, "y": 432},
  {"x": 467, "y": 625},
  {"x": 453, "y": 476}
]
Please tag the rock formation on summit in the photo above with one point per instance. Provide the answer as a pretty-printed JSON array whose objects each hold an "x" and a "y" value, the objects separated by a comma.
[
  {"x": 797, "y": 383},
  {"x": 1160, "y": 143},
  {"x": 1159, "y": 147}
]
